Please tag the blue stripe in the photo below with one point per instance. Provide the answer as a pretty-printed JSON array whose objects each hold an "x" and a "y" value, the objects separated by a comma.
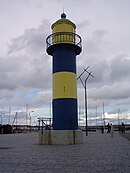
[
  {"x": 65, "y": 115},
  {"x": 64, "y": 59}
]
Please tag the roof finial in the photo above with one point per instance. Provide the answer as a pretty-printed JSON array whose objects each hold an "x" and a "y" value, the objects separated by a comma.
[{"x": 63, "y": 15}]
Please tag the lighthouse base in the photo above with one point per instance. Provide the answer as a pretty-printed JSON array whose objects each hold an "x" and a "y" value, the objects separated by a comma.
[{"x": 60, "y": 137}]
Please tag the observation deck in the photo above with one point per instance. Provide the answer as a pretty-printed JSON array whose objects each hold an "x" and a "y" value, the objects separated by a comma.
[{"x": 68, "y": 39}]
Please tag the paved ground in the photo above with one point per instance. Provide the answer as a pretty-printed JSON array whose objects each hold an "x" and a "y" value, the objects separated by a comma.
[
  {"x": 99, "y": 153},
  {"x": 126, "y": 135}
]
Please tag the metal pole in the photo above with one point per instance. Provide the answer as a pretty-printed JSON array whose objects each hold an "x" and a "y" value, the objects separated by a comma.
[
  {"x": 119, "y": 120},
  {"x": 1, "y": 119},
  {"x": 96, "y": 119},
  {"x": 79, "y": 116},
  {"x": 104, "y": 118},
  {"x": 85, "y": 88},
  {"x": 42, "y": 125},
  {"x": 39, "y": 124},
  {"x": 26, "y": 115},
  {"x": 9, "y": 115},
  {"x": 86, "y": 109},
  {"x": 30, "y": 120},
  {"x": 16, "y": 119}
]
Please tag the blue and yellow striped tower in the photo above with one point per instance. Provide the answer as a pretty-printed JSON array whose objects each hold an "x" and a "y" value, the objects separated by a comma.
[{"x": 63, "y": 45}]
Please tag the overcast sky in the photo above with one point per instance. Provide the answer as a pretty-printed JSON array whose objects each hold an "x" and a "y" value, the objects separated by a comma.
[{"x": 25, "y": 67}]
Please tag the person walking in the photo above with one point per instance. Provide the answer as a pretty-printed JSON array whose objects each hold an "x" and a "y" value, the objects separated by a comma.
[
  {"x": 108, "y": 128},
  {"x": 123, "y": 127},
  {"x": 112, "y": 131}
]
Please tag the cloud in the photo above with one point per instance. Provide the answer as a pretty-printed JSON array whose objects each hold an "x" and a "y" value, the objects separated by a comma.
[
  {"x": 83, "y": 24},
  {"x": 26, "y": 66},
  {"x": 120, "y": 69},
  {"x": 95, "y": 43},
  {"x": 33, "y": 39},
  {"x": 26, "y": 63},
  {"x": 42, "y": 97}
]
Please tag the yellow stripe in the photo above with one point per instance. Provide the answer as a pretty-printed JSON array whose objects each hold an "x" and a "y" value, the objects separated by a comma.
[{"x": 64, "y": 85}]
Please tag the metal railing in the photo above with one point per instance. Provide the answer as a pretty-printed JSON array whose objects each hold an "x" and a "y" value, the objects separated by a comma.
[{"x": 63, "y": 37}]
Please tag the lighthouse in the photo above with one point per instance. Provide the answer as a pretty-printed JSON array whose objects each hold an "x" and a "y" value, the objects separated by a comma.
[{"x": 64, "y": 45}]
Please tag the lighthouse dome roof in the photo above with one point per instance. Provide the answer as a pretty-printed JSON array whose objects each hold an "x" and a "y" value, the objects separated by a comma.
[{"x": 63, "y": 20}]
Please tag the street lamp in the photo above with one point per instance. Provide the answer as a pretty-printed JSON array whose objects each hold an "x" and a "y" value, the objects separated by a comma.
[{"x": 85, "y": 89}]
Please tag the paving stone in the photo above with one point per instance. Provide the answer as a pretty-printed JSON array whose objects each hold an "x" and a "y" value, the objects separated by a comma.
[{"x": 99, "y": 153}]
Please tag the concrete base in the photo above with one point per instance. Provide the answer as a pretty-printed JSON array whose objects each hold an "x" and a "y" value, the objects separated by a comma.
[{"x": 60, "y": 137}]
